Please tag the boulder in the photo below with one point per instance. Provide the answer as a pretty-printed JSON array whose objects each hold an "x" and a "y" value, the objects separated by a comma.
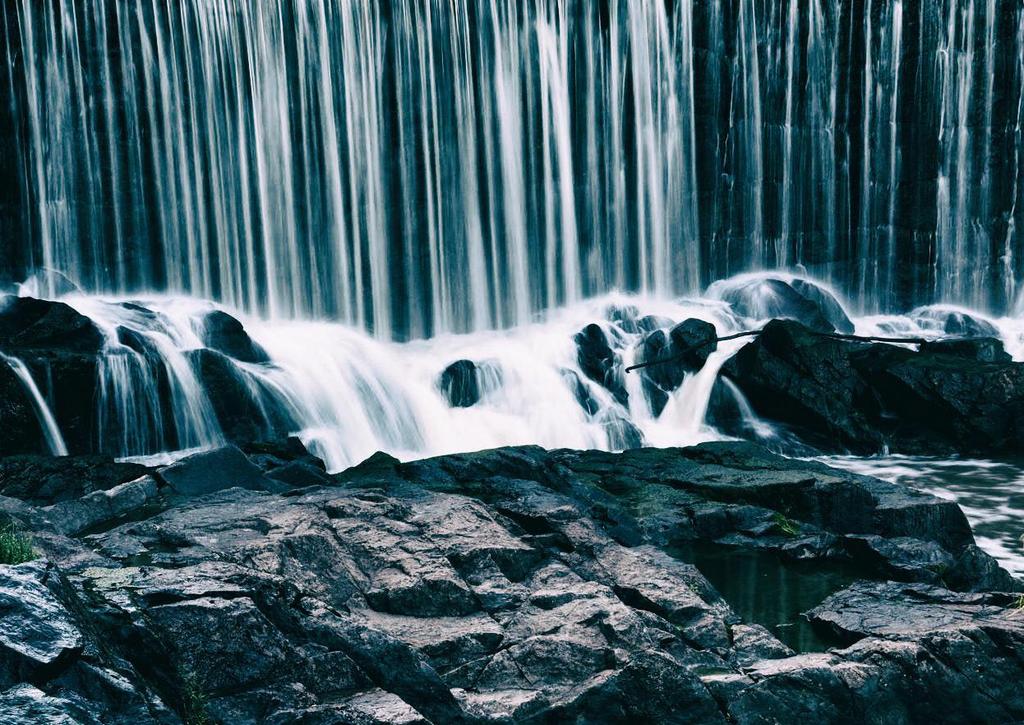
[
  {"x": 621, "y": 431},
  {"x": 70, "y": 383},
  {"x": 100, "y": 508},
  {"x": 840, "y": 395},
  {"x": 464, "y": 383},
  {"x": 27, "y": 323},
  {"x": 580, "y": 391},
  {"x": 650, "y": 323},
  {"x": 765, "y": 297},
  {"x": 684, "y": 349},
  {"x": 210, "y": 471},
  {"x": 694, "y": 340},
  {"x": 245, "y": 410},
  {"x": 289, "y": 462},
  {"x": 625, "y": 317},
  {"x": 221, "y": 332},
  {"x": 953, "y": 321},
  {"x": 978, "y": 349},
  {"x": 599, "y": 362},
  {"x": 38, "y": 636}
]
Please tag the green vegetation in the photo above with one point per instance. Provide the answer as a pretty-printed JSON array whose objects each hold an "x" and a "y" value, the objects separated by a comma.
[
  {"x": 15, "y": 546},
  {"x": 787, "y": 526},
  {"x": 193, "y": 699},
  {"x": 1019, "y": 604}
]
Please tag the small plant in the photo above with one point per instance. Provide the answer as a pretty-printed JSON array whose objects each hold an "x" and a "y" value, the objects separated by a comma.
[
  {"x": 1019, "y": 604},
  {"x": 787, "y": 526},
  {"x": 193, "y": 699},
  {"x": 15, "y": 546}
]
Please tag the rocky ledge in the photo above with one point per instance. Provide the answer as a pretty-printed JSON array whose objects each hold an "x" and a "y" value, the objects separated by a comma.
[{"x": 514, "y": 585}]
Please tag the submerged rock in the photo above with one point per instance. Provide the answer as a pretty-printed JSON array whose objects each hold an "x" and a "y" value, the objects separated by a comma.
[{"x": 840, "y": 395}]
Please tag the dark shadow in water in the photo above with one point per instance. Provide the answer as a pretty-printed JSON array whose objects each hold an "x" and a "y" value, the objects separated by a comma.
[{"x": 766, "y": 589}]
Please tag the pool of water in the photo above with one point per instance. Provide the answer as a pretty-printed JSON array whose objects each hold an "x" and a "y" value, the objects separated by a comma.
[
  {"x": 769, "y": 590},
  {"x": 991, "y": 494}
]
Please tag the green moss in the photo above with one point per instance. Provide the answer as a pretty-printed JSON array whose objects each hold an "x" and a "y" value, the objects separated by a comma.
[
  {"x": 15, "y": 546},
  {"x": 785, "y": 525}
]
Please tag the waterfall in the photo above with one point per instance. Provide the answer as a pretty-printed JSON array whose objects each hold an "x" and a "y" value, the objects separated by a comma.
[
  {"x": 420, "y": 167},
  {"x": 54, "y": 440}
]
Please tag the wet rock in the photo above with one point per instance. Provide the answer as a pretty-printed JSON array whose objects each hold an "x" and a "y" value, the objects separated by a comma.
[
  {"x": 44, "y": 480},
  {"x": 216, "y": 470},
  {"x": 245, "y": 410},
  {"x": 514, "y": 583},
  {"x": 221, "y": 332},
  {"x": 694, "y": 340},
  {"x": 625, "y": 317},
  {"x": 38, "y": 636},
  {"x": 30, "y": 324},
  {"x": 18, "y": 418},
  {"x": 762, "y": 298},
  {"x": 599, "y": 362},
  {"x": 464, "y": 383},
  {"x": 908, "y": 611},
  {"x": 683, "y": 349},
  {"x": 840, "y": 395},
  {"x": 69, "y": 382},
  {"x": 580, "y": 391},
  {"x": 650, "y": 323},
  {"x": 622, "y": 433},
  {"x": 271, "y": 455},
  {"x": 951, "y": 321},
  {"x": 103, "y": 507},
  {"x": 978, "y": 349}
]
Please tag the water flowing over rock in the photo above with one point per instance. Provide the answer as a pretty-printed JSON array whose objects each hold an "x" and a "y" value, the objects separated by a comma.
[
  {"x": 513, "y": 585},
  {"x": 223, "y": 333},
  {"x": 465, "y": 382},
  {"x": 760, "y": 297}
]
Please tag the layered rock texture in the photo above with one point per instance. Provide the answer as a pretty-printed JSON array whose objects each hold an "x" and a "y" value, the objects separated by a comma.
[
  {"x": 952, "y": 396},
  {"x": 514, "y": 585}
]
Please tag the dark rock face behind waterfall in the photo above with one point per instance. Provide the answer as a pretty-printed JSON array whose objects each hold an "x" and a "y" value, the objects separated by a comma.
[
  {"x": 951, "y": 396},
  {"x": 513, "y": 585}
]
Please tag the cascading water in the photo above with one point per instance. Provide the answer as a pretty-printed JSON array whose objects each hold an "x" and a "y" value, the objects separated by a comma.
[
  {"x": 51, "y": 433},
  {"x": 430, "y": 166}
]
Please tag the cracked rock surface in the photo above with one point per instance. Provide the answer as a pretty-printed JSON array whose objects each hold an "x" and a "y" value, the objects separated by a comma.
[{"x": 514, "y": 585}]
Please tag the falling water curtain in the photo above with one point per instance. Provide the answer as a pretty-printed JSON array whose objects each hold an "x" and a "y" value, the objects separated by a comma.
[{"x": 420, "y": 166}]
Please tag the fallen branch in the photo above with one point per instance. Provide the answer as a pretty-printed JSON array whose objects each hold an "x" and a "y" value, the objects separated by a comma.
[{"x": 751, "y": 333}]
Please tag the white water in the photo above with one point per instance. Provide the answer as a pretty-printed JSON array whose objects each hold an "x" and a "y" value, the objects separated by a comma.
[
  {"x": 352, "y": 394},
  {"x": 991, "y": 494},
  {"x": 54, "y": 440}
]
